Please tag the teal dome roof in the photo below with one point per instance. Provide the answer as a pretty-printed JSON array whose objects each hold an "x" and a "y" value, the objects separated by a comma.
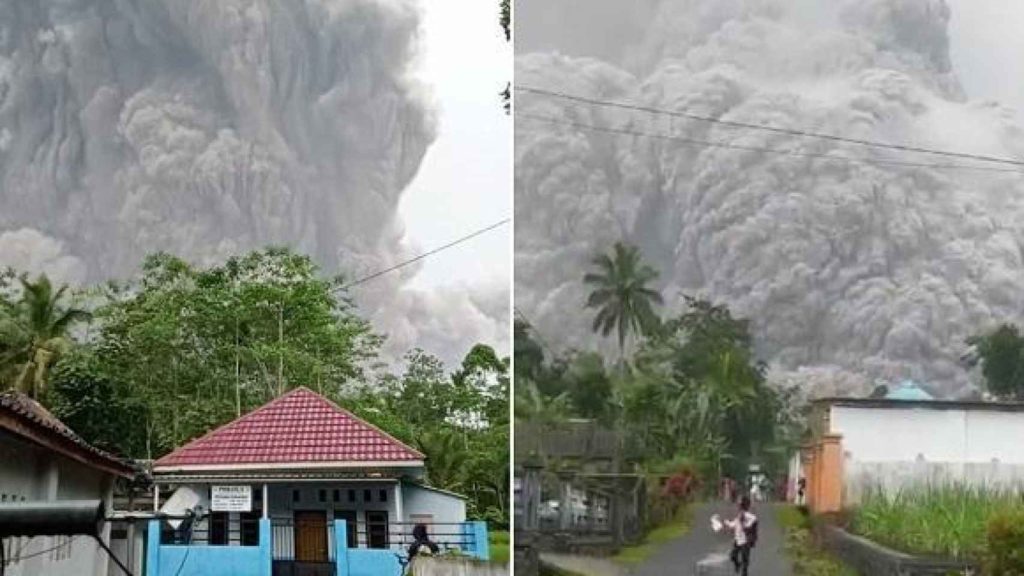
[{"x": 908, "y": 390}]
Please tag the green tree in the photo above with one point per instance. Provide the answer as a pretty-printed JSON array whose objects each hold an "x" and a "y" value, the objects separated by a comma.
[
  {"x": 34, "y": 333},
  {"x": 1001, "y": 355},
  {"x": 621, "y": 295},
  {"x": 198, "y": 346}
]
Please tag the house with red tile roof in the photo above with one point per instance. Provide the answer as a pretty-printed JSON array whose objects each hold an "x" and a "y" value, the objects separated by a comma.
[{"x": 329, "y": 487}]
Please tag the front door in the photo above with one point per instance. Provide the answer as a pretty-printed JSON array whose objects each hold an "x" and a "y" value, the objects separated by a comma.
[{"x": 311, "y": 536}]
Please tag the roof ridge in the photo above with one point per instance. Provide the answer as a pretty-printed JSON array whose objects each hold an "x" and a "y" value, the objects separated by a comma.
[{"x": 308, "y": 408}]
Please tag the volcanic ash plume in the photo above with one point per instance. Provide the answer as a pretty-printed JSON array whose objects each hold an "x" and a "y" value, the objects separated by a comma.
[
  {"x": 876, "y": 269},
  {"x": 207, "y": 128}
]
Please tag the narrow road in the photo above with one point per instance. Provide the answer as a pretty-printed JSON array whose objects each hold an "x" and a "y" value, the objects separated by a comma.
[{"x": 680, "y": 556}]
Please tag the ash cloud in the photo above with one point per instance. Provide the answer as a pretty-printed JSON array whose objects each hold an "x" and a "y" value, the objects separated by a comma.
[
  {"x": 208, "y": 128},
  {"x": 850, "y": 268}
]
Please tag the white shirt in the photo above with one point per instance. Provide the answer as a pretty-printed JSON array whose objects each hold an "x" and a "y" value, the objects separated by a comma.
[{"x": 740, "y": 525}]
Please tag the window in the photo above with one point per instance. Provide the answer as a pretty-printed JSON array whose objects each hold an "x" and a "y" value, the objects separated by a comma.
[
  {"x": 250, "y": 525},
  {"x": 351, "y": 495},
  {"x": 383, "y": 495},
  {"x": 367, "y": 496},
  {"x": 377, "y": 528},
  {"x": 337, "y": 495},
  {"x": 322, "y": 495},
  {"x": 218, "y": 524},
  {"x": 295, "y": 495},
  {"x": 349, "y": 516}
]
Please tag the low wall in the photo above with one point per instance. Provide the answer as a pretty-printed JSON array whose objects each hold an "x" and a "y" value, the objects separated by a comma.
[
  {"x": 456, "y": 567},
  {"x": 893, "y": 476},
  {"x": 167, "y": 560},
  {"x": 873, "y": 559}
]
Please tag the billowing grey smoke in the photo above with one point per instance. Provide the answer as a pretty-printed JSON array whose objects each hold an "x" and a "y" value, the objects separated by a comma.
[
  {"x": 844, "y": 268},
  {"x": 210, "y": 127}
]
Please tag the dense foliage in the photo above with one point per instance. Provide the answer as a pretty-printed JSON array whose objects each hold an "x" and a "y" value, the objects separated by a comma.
[
  {"x": 182, "y": 349},
  {"x": 1005, "y": 553},
  {"x": 691, "y": 391},
  {"x": 1001, "y": 356}
]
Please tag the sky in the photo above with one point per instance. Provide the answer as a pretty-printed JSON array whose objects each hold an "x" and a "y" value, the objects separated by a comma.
[
  {"x": 988, "y": 49},
  {"x": 465, "y": 182}
]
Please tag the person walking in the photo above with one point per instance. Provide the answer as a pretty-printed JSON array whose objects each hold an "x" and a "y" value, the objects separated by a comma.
[{"x": 744, "y": 536}]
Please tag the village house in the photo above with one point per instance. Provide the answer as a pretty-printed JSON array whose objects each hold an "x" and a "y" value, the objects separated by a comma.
[
  {"x": 904, "y": 439},
  {"x": 298, "y": 487},
  {"x": 41, "y": 459}
]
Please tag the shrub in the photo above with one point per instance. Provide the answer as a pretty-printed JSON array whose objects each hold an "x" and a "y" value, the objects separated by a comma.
[{"x": 1005, "y": 543}]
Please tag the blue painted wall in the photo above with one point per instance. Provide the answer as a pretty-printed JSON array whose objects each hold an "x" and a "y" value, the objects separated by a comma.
[
  {"x": 365, "y": 562},
  {"x": 166, "y": 560}
]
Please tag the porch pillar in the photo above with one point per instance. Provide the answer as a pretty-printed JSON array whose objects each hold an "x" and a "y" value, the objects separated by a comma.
[
  {"x": 531, "y": 492},
  {"x": 266, "y": 501},
  {"x": 398, "y": 503},
  {"x": 153, "y": 548},
  {"x": 565, "y": 502}
]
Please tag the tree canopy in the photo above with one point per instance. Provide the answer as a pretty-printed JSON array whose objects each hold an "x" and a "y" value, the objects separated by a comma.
[{"x": 181, "y": 349}]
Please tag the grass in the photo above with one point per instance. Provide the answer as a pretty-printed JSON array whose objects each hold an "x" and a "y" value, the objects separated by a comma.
[
  {"x": 500, "y": 547},
  {"x": 807, "y": 558},
  {"x": 678, "y": 526},
  {"x": 948, "y": 521}
]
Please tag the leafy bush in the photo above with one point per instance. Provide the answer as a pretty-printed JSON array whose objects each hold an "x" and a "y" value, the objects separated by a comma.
[{"x": 1005, "y": 553}]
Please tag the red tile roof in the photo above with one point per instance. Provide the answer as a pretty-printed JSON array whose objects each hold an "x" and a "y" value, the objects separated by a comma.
[
  {"x": 300, "y": 427},
  {"x": 27, "y": 418}
]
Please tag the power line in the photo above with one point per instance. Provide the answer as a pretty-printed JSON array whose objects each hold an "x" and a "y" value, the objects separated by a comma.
[
  {"x": 405, "y": 263},
  {"x": 714, "y": 144},
  {"x": 790, "y": 131}
]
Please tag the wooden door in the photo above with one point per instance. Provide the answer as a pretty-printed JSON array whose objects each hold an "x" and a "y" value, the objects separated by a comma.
[{"x": 311, "y": 536}]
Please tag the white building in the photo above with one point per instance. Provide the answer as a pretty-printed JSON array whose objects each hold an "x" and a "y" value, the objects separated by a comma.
[
  {"x": 893, "y": 443},
  {"x": 41, "y": 459}
]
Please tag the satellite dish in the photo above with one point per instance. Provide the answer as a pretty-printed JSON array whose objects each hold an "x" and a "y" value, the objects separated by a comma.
[{"x": 185, "y": 500}]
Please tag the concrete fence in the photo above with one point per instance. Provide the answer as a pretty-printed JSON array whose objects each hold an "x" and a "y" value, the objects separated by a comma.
[
  {"x": 456, "y": 567},
  {"x": 892, "y": 477},
  {"x": 868, "y": 557}
]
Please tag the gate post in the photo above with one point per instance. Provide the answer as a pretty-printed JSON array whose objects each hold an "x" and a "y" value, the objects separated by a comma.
[{"x": 340, "y": 547}]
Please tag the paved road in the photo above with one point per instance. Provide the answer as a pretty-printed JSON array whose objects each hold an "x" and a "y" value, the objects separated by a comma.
[{"x": 680, "y": 556}]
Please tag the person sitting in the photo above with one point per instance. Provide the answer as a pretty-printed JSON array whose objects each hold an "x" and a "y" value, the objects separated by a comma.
[{"x": 421, "y": 543}]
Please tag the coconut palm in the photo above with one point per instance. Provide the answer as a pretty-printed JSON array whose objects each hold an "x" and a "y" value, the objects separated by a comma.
[
  {"x": 623, "y": 300},
  {"x": 33, "y": 334}
]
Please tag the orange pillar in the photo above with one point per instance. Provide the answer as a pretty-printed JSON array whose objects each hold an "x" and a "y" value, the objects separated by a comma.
[{"x": 831, "y": 490}]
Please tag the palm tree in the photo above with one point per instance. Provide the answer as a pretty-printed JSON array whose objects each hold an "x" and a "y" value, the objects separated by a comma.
[
  {"x": 33, "y": 334},
  {"x": 621, "y": 295}
]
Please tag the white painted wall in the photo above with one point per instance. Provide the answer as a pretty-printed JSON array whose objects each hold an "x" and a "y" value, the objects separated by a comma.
[
  {"x": 895, "y": 448},
  {"x": 28, "y": 472},
  {"x": 910, "y": 434},
  {"x": 441, "y": 507}
]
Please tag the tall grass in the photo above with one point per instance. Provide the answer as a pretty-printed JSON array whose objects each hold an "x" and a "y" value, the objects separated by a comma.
[{"x": 948, "y": 521}]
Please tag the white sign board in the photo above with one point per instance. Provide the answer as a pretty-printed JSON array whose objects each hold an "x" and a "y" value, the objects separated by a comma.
[{"x": 231, "y": 498}]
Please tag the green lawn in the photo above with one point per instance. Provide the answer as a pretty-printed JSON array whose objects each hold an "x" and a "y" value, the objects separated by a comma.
[
  {"x": 675, "y": 528},
  {"x": 807, "y": 558},
  {"x": 500, "y": 547}
]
